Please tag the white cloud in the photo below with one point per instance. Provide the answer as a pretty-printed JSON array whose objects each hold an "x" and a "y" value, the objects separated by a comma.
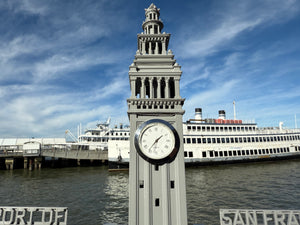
[{"x": 233, "y": 19}]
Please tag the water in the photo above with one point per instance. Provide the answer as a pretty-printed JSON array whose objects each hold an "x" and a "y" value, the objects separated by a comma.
[{"x": 96, "y": 196}]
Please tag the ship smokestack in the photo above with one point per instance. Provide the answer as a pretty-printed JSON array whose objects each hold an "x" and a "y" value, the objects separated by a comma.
[
  {"x": 222, "y": 114},
  {"x": 198, "y": 114}
]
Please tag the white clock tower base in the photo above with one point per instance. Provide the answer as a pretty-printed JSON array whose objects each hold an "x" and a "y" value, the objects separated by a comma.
[{"x": 157, "y": 194}]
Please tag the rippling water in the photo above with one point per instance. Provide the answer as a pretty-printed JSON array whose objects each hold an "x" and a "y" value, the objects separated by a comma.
[{"x": 96, "y": 196}]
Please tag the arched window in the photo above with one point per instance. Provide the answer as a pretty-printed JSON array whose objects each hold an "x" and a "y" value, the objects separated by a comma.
[
  {"x": 172, "y": 87},
  {"x": 162, "y": 88},
  {"x": 147, "y": 86},
  {"x": 138, "y": 85},
  {"x": 155, "y": 88}
]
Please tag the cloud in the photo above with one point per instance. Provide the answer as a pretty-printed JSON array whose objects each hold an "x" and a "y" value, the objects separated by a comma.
[{"x": 233, "y": 19}]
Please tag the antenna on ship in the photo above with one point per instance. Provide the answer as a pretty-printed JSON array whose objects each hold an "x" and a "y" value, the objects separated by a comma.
[{"x": 234, "y": 114}]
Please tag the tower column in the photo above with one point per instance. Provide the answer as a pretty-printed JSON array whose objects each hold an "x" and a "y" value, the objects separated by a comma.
[
  {"x": 143, "y": 87},
  {"x": 164, "y": 49},
  {"x": 159, "y": 87},
  {"x": 167, "y": 88},
  {"x": 150, "y": 48},
  {"x": 156, "y": 48},
  {"x": 151, "y": 87},
  {"x": 176, "y": 83},
  {"x": 143, "y": 47},
  {"x": 132, "y": 84}
]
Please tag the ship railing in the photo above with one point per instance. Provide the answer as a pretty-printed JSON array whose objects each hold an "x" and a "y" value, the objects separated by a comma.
[{"x": 276, "y": 130}]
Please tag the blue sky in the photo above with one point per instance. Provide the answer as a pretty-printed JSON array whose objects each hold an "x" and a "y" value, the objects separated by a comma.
[{"x": 65, "y": 62}]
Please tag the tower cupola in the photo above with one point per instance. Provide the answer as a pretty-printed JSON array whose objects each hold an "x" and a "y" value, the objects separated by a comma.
[{"x": 152, "y": 24}]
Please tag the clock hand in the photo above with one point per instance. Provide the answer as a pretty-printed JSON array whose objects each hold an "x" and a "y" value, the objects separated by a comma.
[{"x": 155, "y": 142}]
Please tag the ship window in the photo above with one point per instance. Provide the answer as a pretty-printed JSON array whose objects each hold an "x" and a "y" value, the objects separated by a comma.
[
  {"x": 221, "y": 153},
  {"x": 246, "y": 128},
  {"x": 218, "y": 140},
  {"x": 271, "y": 138},
  {"x": 217, "y": 129},
  {"x": 234, "y": 128},
  {"x": 216, "y": 154},
  {"x": 256, "y": 139},
  {"x": 259, "y": 151},
  {"x": 232, "y": 140},
  {"x": 281, "y": 150},
  {"x": 243, "y": 152},
  {"x": 245, "y": 140},
  {"x": 239, "y": 152},
  {"x": 227, "y": 140},
  {"x": 240, "y": 140},
  {"x": 271, "y": 151},
  {"x": 236, "y": 140},
  {"x": 208, "y": 128},
  {"x": 212, "y": 129},
  {"x": 203, "y": 128},
  {"x": 267, "y": 150},
  {"x": 225, "y": 128},
  {"x": 204, "y": 154},
  {"x": 230, "y": 153},
  {"x": 221, "y": 129},
  {"x": 208, "y": 140},
  {"x": 193, "y": 127},
  {"x": 204, "y": 140},
  {"x": 183, "y": 140},
  {"x": 250, "y": 128},
  {"x": 194, "y": 140},
  {"x": 185, "y": 154},
  {"x": 263, "y": 151},
  {"x": 223, "y": 140},
  {"x": 213, "y": 140},
  {"x": 198, "y": 128},
  {"x": 225, "y": 153},
  {"x": 253, "y": 139},
  {"x": 247, "y": 152},
  {"x": 156, "y": 167},
  {"x": 191, "y": 154},
  {"x": 230, "y": 129},
  {"x": 188, "y": 140},
  {"x": 249, "y": 139},
  {"x": 199, "y": 140},
  {"x": 260, "y": 139},
  {"x": 234, "y": 153},
  {"x": 211, "y": 154},
  {"x": 255, "y": 151},
  {"x": 242, "y": 128},
  {"x": 251, "y": 152},
  {"x": 238, "y": 128}
]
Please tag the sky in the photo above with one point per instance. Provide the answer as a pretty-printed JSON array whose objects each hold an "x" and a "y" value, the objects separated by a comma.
[{"x": 66, "y": 62}]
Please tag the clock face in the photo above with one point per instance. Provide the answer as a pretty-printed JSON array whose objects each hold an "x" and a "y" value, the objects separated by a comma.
[{"x": 157, "y": 141}]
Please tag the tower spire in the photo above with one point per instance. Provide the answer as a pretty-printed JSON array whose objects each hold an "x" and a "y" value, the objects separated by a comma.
[{"x": 152, "y": 24}]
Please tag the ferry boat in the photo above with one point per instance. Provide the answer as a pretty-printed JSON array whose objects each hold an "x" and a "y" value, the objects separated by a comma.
[
  {"x": 97, "y": 138},
  {"x": 218, "y": 141}
]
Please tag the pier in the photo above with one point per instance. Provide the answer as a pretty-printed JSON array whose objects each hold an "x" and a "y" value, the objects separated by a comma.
[{"x": 31, "y": 153}]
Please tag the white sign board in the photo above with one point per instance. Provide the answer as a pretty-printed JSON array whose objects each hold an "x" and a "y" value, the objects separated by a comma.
[
  {"x": 33, "y": 215},
  {"x": 259, "y": 217}
]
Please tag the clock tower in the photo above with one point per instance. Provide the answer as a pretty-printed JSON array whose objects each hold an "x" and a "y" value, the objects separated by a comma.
[{"x": 157, "y": 193}]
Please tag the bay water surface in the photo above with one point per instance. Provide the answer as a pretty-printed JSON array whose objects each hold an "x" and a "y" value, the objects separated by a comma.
[{"x": 95, "y": 196}]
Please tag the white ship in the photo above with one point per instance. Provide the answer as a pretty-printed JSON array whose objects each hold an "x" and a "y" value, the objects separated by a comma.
[
  {"x": 213, "y": 141},
  {"x": 98, "y": 138}
]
